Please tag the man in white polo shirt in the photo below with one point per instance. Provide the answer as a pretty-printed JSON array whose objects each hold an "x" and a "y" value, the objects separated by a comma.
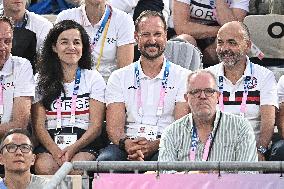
[
  {"x": 247, "y": 89},
  {"x": 111, "y": 34},
  {"x": 144, "y": 97},
  {"x": 16, "y": 83}
]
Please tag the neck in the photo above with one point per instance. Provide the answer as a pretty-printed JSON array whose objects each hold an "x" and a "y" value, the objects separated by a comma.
[
  {"x": 95, "y": 12},
  {"x": 16, "y": 16},
  {"x": 17, "y": 180},
  {"x": 152, "y": 68},
  {"x": 69, "y": 73},
  {"x": 234, "y": 73},
  {"x": 204, "y": 127}
]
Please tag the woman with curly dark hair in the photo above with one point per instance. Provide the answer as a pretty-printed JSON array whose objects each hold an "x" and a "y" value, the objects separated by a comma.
[{"x": 69, "y": 108}]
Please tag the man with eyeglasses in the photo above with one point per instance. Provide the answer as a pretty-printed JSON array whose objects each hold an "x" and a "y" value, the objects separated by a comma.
[
  {"x": 206, "y": 134},
  {"x": 17, "y": 157},
  {"x": 247, "y": 89},
  {"x": 144, "y": 97}
]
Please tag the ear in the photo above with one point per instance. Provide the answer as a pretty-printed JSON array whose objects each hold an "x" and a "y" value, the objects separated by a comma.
[
  {"x": 136, "y": 36},
  {"x": 54, "y": 49},
  {"x": 249, "y": 44},
  {"x": 185, "y": 97},
  {"x": 1, "y": 159},
  {"x": 33, "y": 159}
]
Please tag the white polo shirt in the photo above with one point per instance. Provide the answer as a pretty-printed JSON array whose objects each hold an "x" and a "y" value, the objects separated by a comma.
[
  {"x": 18, "y": 81},
  {"x": 120, "y": 32},
  {"x": 280, "y": 89},
  {"x": 40, "y": 26},
  {"x": 121, "y": 87},
  {"x": 92, "y": 86},
  {"x": 202, "y": 12},
  {"x": 262, "y": 90}
]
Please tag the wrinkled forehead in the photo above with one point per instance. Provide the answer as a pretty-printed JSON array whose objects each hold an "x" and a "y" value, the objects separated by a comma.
[
  {"x": 17, "y": 138},
  {"x": 230, "y": 31},
  {"x": 201, "y": 80},
  {"x": 150, "y": 23},
  {"x": 5, "y": 29}
]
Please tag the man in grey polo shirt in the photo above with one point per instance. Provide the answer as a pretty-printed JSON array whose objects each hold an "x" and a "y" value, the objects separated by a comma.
[{"x": 206, "y": 134}]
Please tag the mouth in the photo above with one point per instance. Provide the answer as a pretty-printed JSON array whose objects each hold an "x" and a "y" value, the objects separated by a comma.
[{"x": 19, "y": 161}]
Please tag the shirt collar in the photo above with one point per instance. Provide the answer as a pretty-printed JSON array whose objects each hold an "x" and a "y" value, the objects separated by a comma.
[
  {"x": 159, "y": 76},
  {"x": 85, "y": 19},
  {"x": 8, "y": 67}
]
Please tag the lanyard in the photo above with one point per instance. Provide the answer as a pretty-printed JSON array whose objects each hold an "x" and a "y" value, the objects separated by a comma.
[
  {"x": 162, "y": 91},
  {"x": 1, "y": 95},
  {"x": 73, "y": 101},
  {"x": 208, "y": 144},
  {"x": 243, "y": 107},
  {"x": 2, "y": 184},
  {"x": 103, "y": 24},
  {"x": 103, "y": 28}
]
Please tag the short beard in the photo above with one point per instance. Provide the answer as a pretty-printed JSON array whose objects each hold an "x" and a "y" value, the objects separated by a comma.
[
  {"x": 152, "y": 57},
  {"x": 232, "y": 62}
]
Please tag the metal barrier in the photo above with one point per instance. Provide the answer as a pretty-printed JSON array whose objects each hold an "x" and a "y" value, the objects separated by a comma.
[{"x": 135, "y": 166}]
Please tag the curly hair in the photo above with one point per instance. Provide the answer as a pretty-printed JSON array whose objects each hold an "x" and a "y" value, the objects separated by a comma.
[{"x": 50, "y": 81}]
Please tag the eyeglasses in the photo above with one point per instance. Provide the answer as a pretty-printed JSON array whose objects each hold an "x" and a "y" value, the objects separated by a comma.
[
  {"x": 197, "y": 92},
  {"x": 12, "y": 148}
]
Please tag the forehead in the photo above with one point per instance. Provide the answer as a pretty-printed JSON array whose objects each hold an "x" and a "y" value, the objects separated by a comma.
[
  {"x": 152, "y": 23},
  {"x": 70, "y": 34},
  {"x": 201, "y": 81},
  {"x": 5, "y": 29},
  {"x": 17, "y": 138},
  {"x": 231, "y": 31}
]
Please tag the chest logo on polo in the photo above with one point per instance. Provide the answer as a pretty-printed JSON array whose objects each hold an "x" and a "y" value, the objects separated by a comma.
[{"x": 252, "y": 83}]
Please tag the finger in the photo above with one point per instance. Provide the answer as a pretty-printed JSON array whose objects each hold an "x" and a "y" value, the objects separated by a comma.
[
  {"x": 132, "y": 156},
  {"x": 140, "y": 154}
]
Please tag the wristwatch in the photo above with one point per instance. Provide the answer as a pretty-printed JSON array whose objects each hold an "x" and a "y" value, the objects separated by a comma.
[
  {"x": 121, "y": 143},
  {"x": 261, "y": 149}
]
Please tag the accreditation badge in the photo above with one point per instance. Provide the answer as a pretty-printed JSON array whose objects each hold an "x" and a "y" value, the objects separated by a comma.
[
  {"x": 150, "y": 132},
  {"x": 64, "y": 140}
]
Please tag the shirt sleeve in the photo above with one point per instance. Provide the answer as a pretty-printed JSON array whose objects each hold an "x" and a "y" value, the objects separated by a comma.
[
  {"x": 98, "y": 87},
  {"x": 185, "y": 1},
  {"x": 124, "y": 5},
  {"x": 240, "y": 4},
  {"x": 280, "y": 89},
  {"x": 125, "y": 27},
  {"x": 114, "y": 91},
  {"x": 268, "y": 90},
  {"x": 24, "y": 81},
  {"x": 182, "y": 86},
  {"x": 246, "y": 145}
]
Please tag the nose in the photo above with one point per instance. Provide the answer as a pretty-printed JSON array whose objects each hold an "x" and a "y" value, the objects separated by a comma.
[{"x": 202, "y": 94}]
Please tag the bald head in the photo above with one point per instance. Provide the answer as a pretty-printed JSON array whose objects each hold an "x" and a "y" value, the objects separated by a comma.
[{"x": 238, "y": 27}]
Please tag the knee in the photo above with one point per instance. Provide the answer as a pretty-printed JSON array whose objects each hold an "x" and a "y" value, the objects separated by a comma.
[
  {"x": 112, "y": 153},
  {"x": 45, "y": 166},
  {"x": 277, "y": 151},
  {"x": 188, "y": 38}
]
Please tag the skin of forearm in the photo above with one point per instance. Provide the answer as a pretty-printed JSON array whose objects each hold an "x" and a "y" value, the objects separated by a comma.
[
  {"x": 224, "y": 12},
  {"x": 198, "y": 31}
]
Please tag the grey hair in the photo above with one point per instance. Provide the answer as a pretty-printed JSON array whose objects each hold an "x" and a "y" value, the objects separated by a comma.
[{"x": 198, "y": 72}]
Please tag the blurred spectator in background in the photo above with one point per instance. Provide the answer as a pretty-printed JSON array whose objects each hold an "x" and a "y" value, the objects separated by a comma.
[
  {"x": 276, "y": 7},
  {"x": 198, "y": 21},
  {"x": 52, "y": 6},
  {"x": 30, "y": 29},
  {"x": 111, "y": 32}
]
